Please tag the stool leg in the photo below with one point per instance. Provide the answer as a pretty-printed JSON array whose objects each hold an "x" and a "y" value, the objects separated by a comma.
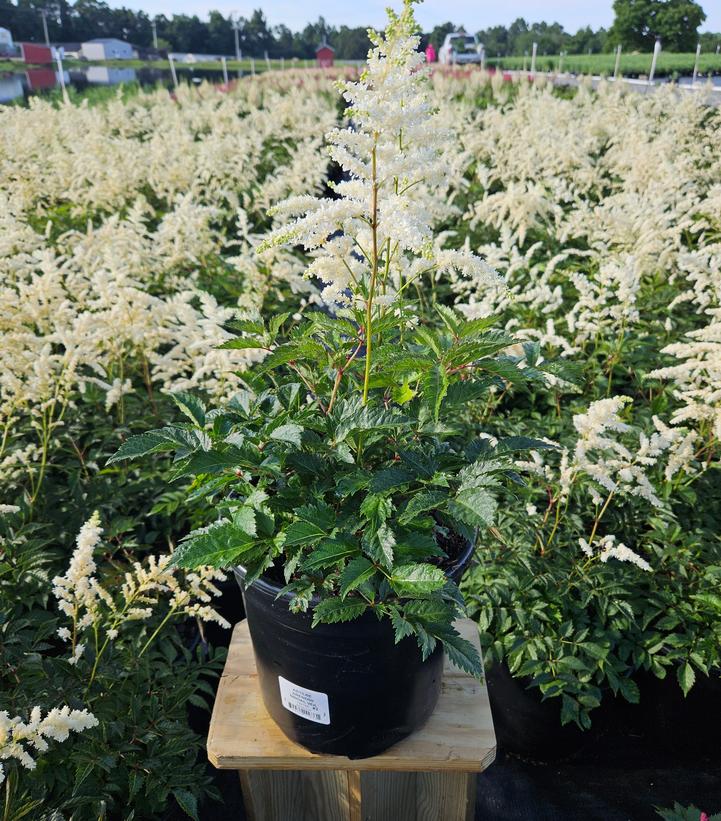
[{"x": 247, "y": 791}]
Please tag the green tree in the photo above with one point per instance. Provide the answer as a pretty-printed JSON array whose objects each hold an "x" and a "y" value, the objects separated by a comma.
[
  {"x": 438, "y": 35},
  {"x": 638, "y": 22},
  {"x": 352, "y": 43},
  {"x": 495, "y": 41},
  {"x": 220, "y": 34}
]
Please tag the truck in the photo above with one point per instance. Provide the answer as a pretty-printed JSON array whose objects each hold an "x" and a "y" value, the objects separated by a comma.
[{"x": 459, "y": 47}]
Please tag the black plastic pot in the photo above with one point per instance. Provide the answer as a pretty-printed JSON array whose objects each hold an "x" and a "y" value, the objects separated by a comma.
[
  {"x": 341, "y": 689},
  {"x": 685, "y": 725},
  {"x": 525, "y": 724}
]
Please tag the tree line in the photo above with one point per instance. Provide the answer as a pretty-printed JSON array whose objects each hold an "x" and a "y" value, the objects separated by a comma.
[{"x": 636, "y": 25}]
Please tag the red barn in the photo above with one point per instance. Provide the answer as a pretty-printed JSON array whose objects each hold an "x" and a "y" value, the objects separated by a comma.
[
  {"x": 324, "y": 55},
  {"x": 41, "y": 78},
  {"x": 35, "y": 55}
]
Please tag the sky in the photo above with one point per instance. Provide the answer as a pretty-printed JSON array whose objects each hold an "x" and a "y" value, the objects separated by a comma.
[{"x": 473, "y": 14}]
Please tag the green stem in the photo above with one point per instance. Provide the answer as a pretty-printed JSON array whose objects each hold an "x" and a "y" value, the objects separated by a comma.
[
  {"x": 598, "y": 518},
  {"x": 157, "y": 630},
  {"x": 374, "y": 273}
]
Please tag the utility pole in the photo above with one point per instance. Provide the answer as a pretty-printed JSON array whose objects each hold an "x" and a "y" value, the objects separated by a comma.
[
  {"x": 618, "y": 62},
  {"x": 235, "y": 23},
  {"x": 154, "y": 26},
  {"x": 44, "y": 13},
  {"x": 172, "y": 70},
  {"x": 534, "y": 51}
]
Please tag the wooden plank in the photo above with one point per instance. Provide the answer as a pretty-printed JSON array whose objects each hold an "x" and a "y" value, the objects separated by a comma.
[
  {"x": 300, "y": 795},
  {"x": 418, "y": 796},
  {"x": 458, "y": 736},
  {"x": 389, "y": 795}
]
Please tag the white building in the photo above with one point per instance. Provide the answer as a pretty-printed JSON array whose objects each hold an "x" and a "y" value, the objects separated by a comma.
[
  {"x": 107, "y": 48},
  {"x": 10, "y": 88},
  {"x": 104, "y": 76},
  {"x": 6, "y": 41}
]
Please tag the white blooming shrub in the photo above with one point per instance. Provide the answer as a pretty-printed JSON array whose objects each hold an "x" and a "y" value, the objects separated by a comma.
[
  {"x": 601, "y": 212},
  {"x": 116, "y": 249},
  {"x": 110, "y": 642}
]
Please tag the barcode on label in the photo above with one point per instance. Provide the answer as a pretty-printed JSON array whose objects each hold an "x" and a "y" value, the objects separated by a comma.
[{"x": 303, "y": 702}]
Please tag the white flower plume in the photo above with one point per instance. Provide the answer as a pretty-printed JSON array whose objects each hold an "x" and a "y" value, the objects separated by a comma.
[{"x": 392, "y": 156}]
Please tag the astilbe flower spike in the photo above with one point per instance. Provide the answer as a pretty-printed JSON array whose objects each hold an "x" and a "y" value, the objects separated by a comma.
[{"x": 17, "y": 737}]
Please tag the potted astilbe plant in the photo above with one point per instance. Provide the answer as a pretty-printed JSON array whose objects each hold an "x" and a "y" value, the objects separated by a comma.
[{"x": 347, "y": 491}]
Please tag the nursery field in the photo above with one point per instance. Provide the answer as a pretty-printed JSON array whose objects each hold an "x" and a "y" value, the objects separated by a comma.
[
  {"x": 633, "y": 64},
  {"x": 130, "y": 252}
]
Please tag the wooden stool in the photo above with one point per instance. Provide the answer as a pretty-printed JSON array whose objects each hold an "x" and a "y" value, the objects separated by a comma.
[{"x": 429, "y": 776}]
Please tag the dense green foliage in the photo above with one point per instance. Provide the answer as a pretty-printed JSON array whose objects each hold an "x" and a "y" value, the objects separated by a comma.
[{"x": 351, "y": 500}]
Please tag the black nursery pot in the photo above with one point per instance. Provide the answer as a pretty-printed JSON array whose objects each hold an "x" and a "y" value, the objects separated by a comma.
[
  {"x": 340, "y": 689},
  {"x": 525, "y": 724}
]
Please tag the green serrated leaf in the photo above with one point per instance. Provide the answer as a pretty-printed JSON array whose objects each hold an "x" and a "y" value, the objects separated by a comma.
[
  {"x": 330, "y": 611},
  {"x": 330, "y": 552},
  {"x": 275, "y": 322},
  {"x": 312, "y": 523},
  {"x": 474, "y": 506},
  {"x": 192, "y": 406},
  {"x": 401, "y": 626},
  {"x": 220, "y": 544},
  {"x": 435, "y": 386},
  {"x": 242, "y": 343},
  {"x": 462, "y": 653},
  {"x": 164, "y": 439},
  {"x": 355, "y": 573},
  {"x": 390, "y": 478},
  {"x": 417, "y": 579},
  {"x": 421, "y": 503},
  {"x": 303, "y": 533},
  {"x": 686, "y": 677},
  {"x": 187, "y": 802},
  {"x": 244, "y": 518},
  {"x": 288, "y": 433}
]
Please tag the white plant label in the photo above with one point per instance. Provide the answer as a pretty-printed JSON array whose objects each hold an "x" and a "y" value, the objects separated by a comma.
[{"x": 308, "y": 704}]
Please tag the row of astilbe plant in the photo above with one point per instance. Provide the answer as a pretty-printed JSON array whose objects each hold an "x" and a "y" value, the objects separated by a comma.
[
  {"x": 122, "y": 280},
  {"x": 602, "y": 212},
  {"x": 127, "y": 241}
]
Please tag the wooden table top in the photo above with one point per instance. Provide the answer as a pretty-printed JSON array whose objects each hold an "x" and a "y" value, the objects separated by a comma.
[{"x": 458, "y": 736}]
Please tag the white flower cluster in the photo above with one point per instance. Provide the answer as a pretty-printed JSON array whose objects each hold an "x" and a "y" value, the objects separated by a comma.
[
  {"x": 607, "y": 548},
  {"x": 697, "y": 377},
  {"x": 613, "y": 466},
  {"x": 17, "y": 737},
  {"x": 380, "y": 228},
  {"x": 87, "y": 603}
]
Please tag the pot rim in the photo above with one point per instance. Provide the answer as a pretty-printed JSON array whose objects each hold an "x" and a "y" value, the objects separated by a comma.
[{"x": 271, "y": 588}]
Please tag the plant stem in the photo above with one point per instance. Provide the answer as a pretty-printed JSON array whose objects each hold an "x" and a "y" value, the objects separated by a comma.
[
  {"x": 374, "y": 273},
  {"x": 157, "y": 630},
  {"x": 599, "y": 517}
]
